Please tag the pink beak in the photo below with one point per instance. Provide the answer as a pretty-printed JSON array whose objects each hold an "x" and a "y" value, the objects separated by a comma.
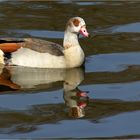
[{"x": 84, "y": 32}]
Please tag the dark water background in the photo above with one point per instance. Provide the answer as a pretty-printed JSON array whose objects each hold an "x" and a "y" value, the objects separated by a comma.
[{"x": 46, "y": 103}]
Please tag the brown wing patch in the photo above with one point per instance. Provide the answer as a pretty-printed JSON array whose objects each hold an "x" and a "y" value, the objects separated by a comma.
[
  {"x": 9, "y": 47},
  {"x": 43, "y": 46},
  {"x": 76, "y": 22}
]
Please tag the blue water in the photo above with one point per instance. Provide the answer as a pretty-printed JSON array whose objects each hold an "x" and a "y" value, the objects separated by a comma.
[{"x": 42, "y": 107}]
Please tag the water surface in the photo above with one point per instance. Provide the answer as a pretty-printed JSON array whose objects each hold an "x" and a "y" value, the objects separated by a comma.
[{"x": 47, "y": 103}]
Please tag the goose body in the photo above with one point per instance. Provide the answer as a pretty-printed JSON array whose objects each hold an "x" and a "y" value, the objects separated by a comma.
[{"x": 31, "y": 52}]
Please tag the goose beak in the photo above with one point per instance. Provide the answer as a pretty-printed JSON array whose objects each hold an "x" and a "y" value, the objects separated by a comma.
[{"x": 84, "y": 32}]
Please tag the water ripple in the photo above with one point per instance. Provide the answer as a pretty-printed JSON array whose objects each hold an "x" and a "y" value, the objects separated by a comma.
[
  {"x": 112, "y": 62},
  {"x": 125, "y": 28},
  {"x": 37, "y": 33}
]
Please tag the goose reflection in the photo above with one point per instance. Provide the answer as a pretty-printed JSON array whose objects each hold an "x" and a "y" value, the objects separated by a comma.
[
  {"x": 23, "y": 78},
  {"x": 75, "y": 99},
  {"x": 30, "y": 78}
]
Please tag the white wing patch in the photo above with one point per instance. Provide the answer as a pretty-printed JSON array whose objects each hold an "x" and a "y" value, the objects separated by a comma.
[
  {"x": 30, "y": 58},
  {"x": 1, "y": 57}
]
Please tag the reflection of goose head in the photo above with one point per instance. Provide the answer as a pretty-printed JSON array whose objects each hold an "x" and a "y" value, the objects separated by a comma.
[
  {"x": 72, "y": 95},
  {"x": 76, "y": 100}
]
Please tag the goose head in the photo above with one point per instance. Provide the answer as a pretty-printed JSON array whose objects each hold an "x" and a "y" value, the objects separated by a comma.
[{"x": 77, "y": 25}]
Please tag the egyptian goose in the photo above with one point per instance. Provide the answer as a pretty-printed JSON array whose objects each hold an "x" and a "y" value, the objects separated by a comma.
[{"x": 44, "y": 54}]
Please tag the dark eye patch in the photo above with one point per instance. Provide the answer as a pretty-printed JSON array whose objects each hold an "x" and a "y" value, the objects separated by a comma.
[{"x": 76, "y": 22}]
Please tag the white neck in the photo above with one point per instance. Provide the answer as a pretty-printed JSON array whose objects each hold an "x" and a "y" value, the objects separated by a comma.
[
  {"x": 73, "y": 52},
  {"x": 70, "y": 39}
]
